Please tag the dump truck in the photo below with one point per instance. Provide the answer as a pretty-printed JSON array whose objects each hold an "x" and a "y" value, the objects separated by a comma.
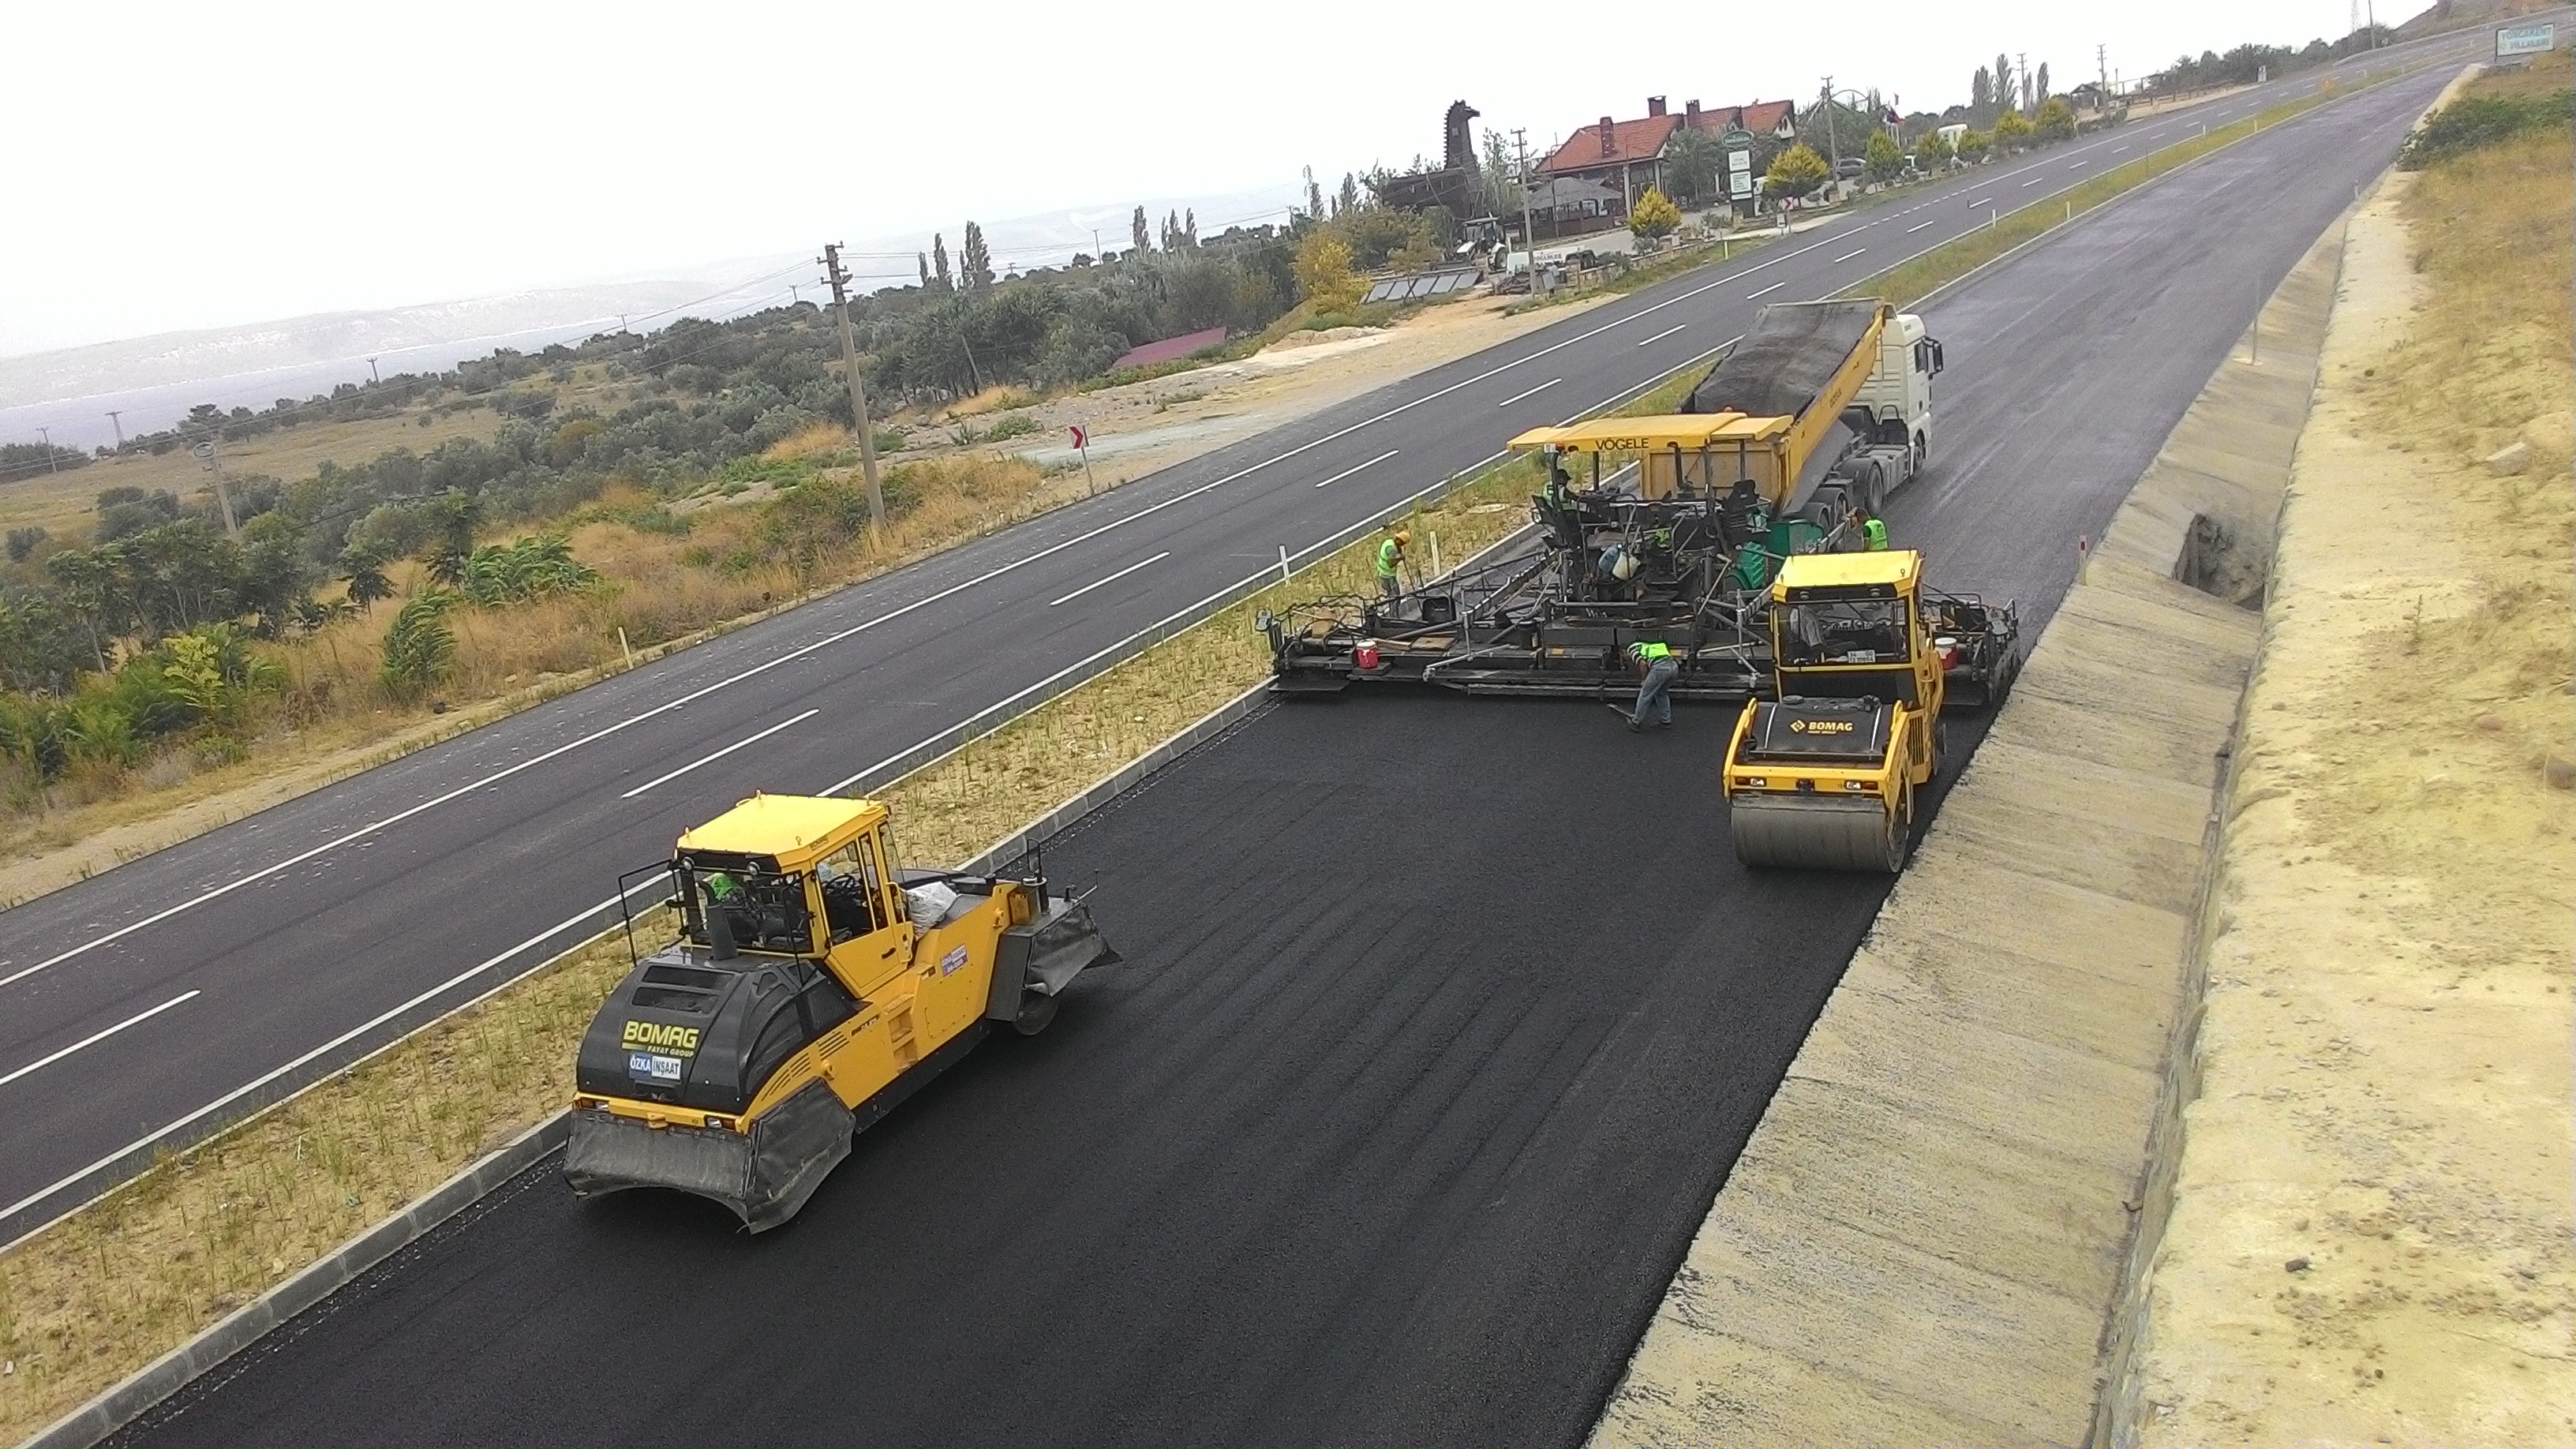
[
  {"x": 812, "y": 985},
  {"x": 1824, "y": 774},
  {"x": 1671, "y": 530}
]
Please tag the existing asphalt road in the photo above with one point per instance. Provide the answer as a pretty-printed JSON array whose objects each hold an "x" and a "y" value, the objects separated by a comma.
[
  {"x": 169, "y": 994},
  {"x": 1441, "y": 1023}
]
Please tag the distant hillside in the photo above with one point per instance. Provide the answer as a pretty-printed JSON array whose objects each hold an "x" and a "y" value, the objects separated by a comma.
[
  {"x": 178, "y": 357},
  {"x": 2461, "y": 14}
]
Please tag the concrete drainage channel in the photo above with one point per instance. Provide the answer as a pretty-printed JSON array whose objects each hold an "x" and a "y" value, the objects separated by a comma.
[
  {"x": 2010, "y": 1235},
  {"x": 1938, "y": 1231}
]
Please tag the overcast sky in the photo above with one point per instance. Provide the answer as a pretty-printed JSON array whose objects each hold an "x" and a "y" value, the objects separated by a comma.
[{"x": 191, "y": 165}]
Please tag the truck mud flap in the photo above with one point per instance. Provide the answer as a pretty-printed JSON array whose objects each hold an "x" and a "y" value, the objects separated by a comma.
[
  {"x": 764, "y": 1177},
  {"x": 1044, "y": 956}
]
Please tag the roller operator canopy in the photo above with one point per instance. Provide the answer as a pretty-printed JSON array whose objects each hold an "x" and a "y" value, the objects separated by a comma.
[
  {"x": 796, "y": 829},
  {"x": 1686, "y": 431},
  {"x": 1894, "y": 570}
]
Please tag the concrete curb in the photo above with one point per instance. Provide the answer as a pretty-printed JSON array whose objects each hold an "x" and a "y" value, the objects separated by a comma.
[
  {"x": 1928, "y": 1236},
  {"x": 181, "y": 1366}
]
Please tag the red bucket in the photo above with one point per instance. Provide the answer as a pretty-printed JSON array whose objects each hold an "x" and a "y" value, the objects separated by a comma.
[{"x": 1365, "y": 655}]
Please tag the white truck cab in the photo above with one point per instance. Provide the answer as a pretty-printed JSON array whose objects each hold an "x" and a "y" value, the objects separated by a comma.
[{"x": 1898, "y": 394}]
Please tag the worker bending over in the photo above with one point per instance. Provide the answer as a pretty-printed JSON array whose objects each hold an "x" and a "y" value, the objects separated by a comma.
[
  {"x": 1656, "y": 691},
  {"x": 1873, "y": 531},
  {"x": 1390, "y": 562}
]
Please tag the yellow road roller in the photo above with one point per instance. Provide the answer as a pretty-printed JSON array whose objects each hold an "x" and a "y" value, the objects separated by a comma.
[
  {"x": 812, "y": 986},
  {"x": 1823, "y": 776}
]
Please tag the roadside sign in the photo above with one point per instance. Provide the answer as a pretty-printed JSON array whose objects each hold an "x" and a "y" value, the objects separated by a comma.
[
  {"x": 1739, "y": 174},
  {"x": 2525, "y": 39}
]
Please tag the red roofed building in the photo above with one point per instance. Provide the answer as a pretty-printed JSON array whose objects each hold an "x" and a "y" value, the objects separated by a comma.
[
  {"x": 1613, "y": 153},
  {"x": 1776, "y": 119},
  {"x": 1626, "y": 156}
]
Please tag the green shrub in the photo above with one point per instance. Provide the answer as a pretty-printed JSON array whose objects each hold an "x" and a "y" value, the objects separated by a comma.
[
  {"x": 2472, "y": 122},
  {"x": 420, "y": 648}
]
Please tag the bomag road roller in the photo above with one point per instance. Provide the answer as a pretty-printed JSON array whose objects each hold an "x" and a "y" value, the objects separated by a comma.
[
  {"x": 1824, "y": 776},
  {"x": 811, "y": 988}
]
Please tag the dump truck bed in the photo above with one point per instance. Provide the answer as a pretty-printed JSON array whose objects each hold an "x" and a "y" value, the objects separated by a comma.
[{"x": 1786, "y": 361}]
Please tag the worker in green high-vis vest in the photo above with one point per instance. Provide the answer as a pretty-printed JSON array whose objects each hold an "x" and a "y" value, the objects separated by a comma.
[
  {"x": 1873, "y": 532},
  {"x": 1390, "y": 563},
  {"x": 1656, "y": 690}
]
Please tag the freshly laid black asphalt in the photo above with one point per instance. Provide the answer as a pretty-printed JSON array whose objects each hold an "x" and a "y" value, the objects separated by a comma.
[
  {"x": 169, "y": 994},
  {"x": 1441, "y": 1023}
]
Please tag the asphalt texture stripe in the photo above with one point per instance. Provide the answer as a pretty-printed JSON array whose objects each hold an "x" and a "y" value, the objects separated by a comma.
[{"x": 1440, "y": 1023}]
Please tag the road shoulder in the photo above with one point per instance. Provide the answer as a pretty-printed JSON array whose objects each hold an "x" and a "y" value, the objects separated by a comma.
[
  {"x": 2370, "y": 1231},
  {"x": 1924, "y": 1238}
]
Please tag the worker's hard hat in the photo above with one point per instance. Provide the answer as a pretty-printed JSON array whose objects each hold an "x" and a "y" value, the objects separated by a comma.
[{"x": 1403, "y": 535}]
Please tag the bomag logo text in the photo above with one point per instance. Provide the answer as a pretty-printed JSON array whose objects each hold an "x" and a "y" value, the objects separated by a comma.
[
  {"x": 1820, "y": 726},
  {"x": 655, "y": 1036}
]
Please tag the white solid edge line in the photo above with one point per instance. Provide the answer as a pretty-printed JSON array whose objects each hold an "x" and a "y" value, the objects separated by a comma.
[
  {"x": 1346, "y": 472},
  {"x": 1847, "y": 256},
  {"x": 1533, "y": 392},
  {"x": 1330, "y": 541},
  {"x": 1113, "y": 578},
  {"x": 1765, "y": 292},
  {"x": 1667, "y": 332},
  {"x": 94, "y": 1038},
  {"x": 834, "y": 638},
  {"x": 237, "y": 1093},
  {"x": 830, "y": 639},
  {"x": 718, "y": 755}
]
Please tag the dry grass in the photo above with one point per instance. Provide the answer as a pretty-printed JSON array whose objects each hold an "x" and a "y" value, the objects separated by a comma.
[
  {"x": 2491, "y": 240},
  {"x": 128, "y": 1278},
  {"x": 2486, "y": 363},
  {"x": 660, "y": 589},
  {"x": 63, "y": 504}
]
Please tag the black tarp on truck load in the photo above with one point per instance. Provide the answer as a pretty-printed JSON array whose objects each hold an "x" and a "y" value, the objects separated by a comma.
[{"x": 1785, "y": 361}]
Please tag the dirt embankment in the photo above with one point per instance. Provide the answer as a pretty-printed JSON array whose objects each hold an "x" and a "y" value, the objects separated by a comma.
[{"x": 2371, "y": 1231}]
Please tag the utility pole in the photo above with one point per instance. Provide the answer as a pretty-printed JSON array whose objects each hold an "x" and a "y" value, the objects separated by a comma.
[
  {"x": 1833, "y": 150},
  {"x": 372, "y": 374},
  {"x": 48, "y": 435},
  {"x": 117, "y": 417},
  {"x": 2023, "y": 58},
  {"x": 1529, "y": 238},
  {"x": 858, "y": 390},
  {"x": 211, "y": 453},
  {"x": 2102, "y": 64}
]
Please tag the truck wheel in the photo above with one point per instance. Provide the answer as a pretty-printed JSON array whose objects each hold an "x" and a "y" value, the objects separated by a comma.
[
  {"x": 1940, "y": 748},
  {"x": 1922, "y": 452},
  {"x": 1035, "y": 1013},
  {"x": 1869, "y": 483}
]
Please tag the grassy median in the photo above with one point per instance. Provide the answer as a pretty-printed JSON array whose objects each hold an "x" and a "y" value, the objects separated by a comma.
[
  {"x": 133, "y": 1275},
  {"x": 130, "y": 1277}
]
